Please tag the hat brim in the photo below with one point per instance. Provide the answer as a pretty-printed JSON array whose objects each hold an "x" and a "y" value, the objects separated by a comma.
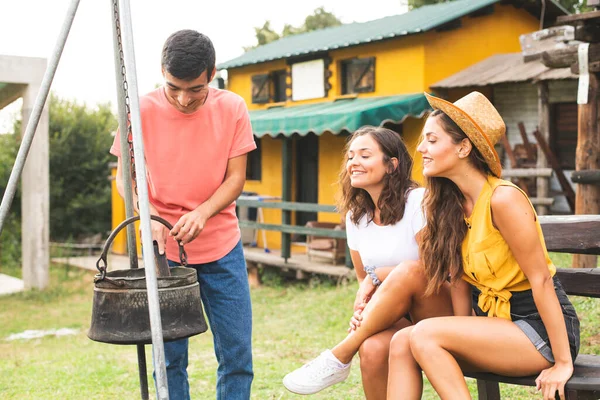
[{"x": 471, "y": 129}]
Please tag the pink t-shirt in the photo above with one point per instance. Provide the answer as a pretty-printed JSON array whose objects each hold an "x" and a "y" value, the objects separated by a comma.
[{"x": 186, "y": 160}]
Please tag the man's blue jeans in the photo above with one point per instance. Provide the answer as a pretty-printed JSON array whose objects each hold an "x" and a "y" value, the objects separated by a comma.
[{"x": 226, "y": 299}]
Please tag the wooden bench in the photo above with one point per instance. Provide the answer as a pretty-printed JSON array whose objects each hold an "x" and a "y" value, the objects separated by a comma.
[{"x": 577, "y": 235}]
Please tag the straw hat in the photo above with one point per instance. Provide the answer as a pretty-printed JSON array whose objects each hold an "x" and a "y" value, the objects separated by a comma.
[{"x": 478, "y": 118}]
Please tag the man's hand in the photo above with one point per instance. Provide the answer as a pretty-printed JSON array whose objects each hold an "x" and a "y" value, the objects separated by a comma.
[{"x": 189, "y": 226}]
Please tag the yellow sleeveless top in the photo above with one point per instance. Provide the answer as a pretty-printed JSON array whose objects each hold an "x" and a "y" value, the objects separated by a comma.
[{"x": 488, "y": 262}]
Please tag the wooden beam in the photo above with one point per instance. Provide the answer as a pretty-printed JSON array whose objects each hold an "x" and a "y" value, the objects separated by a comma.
[
  {"x": 592, "y": 67},
  {"x": 302, "y": 230},
  {"x": 513, "y": 162},
  {"x": 487, "y": 390},
  {"x": 287, "y": 205},
  {"x": 590, "y": 177},
  {"x": 562, "y": 179},
  {"x": 526, "y": 142},
  {"x": 585, "y": 17},
  {"x": 587, "y": 199},
  {"x": 542, "y": 201},
  {"x": 567, "y": 56},
  {"x": 587, "y": 33},
  {"x": 580, "y": 281},
  {"x": 543, "y": 184},
  {"x": 527, "y": 172},
  {"x": 572, "y": 236},
  {"x": 286, "y": 195}
]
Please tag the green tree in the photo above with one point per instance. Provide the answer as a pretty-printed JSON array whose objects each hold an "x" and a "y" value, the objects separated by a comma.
[
  {"x": 265, "y": 34},
  {"x": 573, "y": 6},
  {"x": 319, "y": 19},
  {"x": 10, "y": 239},
  {"x": 80, "y": 192},
  {"x": 80, "y": 202}
]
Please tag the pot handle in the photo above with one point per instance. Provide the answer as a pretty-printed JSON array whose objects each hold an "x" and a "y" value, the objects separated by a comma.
[{"x": 115, "y": 232}]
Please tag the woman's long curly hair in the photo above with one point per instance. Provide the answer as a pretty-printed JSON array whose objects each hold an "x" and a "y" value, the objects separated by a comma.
[
  {"x": 440, "y": 247},
  {"x": 397, "y": 183}
]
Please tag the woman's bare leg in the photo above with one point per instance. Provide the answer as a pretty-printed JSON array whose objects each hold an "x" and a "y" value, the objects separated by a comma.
[
  {"x": 400, "y": 293},
  {"x": 405, "y": 380},
  {"x": 488, "y": 344},
  {"x": 374, "y": 361}
]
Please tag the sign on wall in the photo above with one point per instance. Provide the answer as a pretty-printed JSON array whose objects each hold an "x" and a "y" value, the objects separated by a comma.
[{"x": 308, "y": 80}]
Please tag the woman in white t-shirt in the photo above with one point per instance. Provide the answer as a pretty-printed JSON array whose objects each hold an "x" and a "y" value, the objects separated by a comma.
[
  {"x": 379, "y": 242},
  {"x": 382, "y": 205}
]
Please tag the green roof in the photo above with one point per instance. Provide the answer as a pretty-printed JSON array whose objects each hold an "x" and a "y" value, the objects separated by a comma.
[
  {"x": 420, "y": 20},
  {"x": 337, "y": 116}
]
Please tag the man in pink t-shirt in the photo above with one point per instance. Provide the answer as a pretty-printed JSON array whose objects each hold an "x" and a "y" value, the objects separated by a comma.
[{"x": 196, "y": 140}]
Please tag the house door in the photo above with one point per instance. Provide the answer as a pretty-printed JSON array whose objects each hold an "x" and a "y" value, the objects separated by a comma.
[
  {"x": 307, "y": 176},
  {"x": 563, "y": 134}
]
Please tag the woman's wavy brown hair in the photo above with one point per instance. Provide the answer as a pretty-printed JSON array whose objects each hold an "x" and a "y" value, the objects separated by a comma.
[
  {"x": 441, "y": 239},
  {"x": 397, "y": 183}
]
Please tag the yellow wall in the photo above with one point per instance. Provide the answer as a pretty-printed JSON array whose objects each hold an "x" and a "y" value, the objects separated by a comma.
[
  {"x": 331, "y": 148},
  {"x": 449, "y": 52},
  {"x": 119, "y": 245},
  {"x": 270, "y": 184},
  {"x": 399, "y": 68}
]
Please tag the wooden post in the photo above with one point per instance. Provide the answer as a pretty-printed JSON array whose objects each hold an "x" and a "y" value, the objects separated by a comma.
[
  {"x": 587, "y": 197},
  {"x": 560, "y": 175},
  {"x": 513, "y": 163},
  {"x": 526, "y": 143},
  {"x": 544, "y": 124},
  {"x": 286, "y": 195}
]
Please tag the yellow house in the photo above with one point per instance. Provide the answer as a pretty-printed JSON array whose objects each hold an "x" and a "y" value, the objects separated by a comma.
[{"x": 306, "y": 93}]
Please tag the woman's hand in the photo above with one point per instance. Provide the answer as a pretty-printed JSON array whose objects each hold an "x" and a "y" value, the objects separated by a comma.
[
  {"x": 356, "y": 317},
  {"x": 554, "y": 378},
  {"x": 365, "y": 291}
]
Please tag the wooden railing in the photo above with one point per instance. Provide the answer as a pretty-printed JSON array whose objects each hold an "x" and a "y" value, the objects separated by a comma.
[
  {"x": 555, "y": 241},
  {"x": 287, "y": 229}
]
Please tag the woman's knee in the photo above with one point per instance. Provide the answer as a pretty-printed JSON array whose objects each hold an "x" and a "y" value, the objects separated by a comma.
[
  {"x": 374, "y": 352},
  {"x": 400, "y": 345},
  {"x": 423, "y": 337}
]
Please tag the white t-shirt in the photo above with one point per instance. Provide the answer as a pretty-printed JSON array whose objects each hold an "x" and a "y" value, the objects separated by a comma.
[{"x": 388, "y": 246}]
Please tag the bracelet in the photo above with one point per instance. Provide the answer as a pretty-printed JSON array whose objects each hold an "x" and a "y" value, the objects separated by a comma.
[{"x": 371, "y": 272}]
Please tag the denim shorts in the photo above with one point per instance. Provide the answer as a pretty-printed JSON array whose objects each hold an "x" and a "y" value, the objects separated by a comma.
[{"x": 525, "y": 315}]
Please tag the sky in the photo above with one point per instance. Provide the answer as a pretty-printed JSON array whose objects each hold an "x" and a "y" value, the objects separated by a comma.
[{"x": 86, "y": 69}]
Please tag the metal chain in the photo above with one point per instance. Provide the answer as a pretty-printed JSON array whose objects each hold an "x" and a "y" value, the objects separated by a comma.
[
  {"x": 182, "y": 252},
  {"x": 127, "y": 101}
]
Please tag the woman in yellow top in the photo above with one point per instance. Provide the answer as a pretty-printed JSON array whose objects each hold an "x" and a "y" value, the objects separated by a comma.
[{"x": 483, "y": 235}]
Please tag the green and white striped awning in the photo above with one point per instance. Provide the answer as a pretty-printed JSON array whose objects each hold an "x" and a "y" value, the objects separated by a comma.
[{"x": 337, "y": 116}]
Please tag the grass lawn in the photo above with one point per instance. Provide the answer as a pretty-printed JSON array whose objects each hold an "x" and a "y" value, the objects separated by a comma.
[{"x": 293, "y": 322}]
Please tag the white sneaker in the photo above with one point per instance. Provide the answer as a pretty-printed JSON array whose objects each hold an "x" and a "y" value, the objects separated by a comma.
[{"x": 319, "y": 374}]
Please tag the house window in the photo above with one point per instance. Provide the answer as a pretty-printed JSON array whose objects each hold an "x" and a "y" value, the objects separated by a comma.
[
  {"x": 254, "y": 163},
  {"x": 279, "y": 85},
  {"x": 358, "y": 75},
  {"x": 269, "y": 87},
  {"x": 260, "y": 89},
  {"x": 308, "y": 80}
]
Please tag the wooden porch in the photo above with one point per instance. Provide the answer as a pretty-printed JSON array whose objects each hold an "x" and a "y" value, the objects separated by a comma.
[{"x": 256, "y": 258}]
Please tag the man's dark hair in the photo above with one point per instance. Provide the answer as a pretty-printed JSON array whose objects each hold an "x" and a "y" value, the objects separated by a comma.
[{"x": 187, "y": 53}]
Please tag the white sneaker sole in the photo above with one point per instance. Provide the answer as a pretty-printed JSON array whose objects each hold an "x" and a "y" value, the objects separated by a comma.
[{"x": 303, "y": 390}]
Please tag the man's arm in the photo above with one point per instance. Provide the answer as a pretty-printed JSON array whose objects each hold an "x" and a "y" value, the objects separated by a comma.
[{"x": 191, "y": 224}]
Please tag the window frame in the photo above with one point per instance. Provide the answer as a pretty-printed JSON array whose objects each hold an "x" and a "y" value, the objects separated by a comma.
[{"x": 369, "y": 65}]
